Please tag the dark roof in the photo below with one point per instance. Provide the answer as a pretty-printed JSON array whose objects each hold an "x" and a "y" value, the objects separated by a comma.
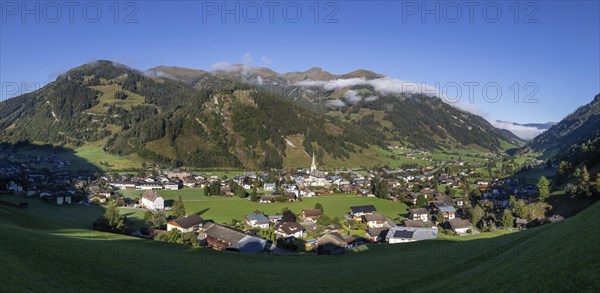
[
  {"x": 223, "y": 233},
  {"x": 290, "y": 227},
  {"x": 312, "y": 213},
  {"x": 188, "y": 222},
  {"x": 363, "y": 209},
  {"x": 403, "y": 234}
]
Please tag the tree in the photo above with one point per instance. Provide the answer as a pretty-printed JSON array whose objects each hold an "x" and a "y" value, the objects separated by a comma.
[
  {"x": 157, "y": 220},
  {"x": 475, "y": 214},
  {"x": 111, "y": 221},
  {"x": 421, "y": 200},
  {"x": 318, "y": 206},
  {"x": 178, "y": 208},
  {"x": 288, "y": 216},
  {"x": 324, "y": 220},
  {"x": 543, "y": 188},
  {"x": 254, "y": 195},
  {"x": 507, "y": 219}
]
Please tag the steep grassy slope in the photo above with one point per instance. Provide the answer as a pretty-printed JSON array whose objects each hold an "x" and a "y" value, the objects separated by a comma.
[
  {"x": 578, "y": 127},
  {"x": 42, "y": 252}
]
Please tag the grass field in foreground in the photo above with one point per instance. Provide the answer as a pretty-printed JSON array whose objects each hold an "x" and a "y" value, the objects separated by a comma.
[
  {"x": 223, "y": 209},
  {"x": 43, "y": 252}
]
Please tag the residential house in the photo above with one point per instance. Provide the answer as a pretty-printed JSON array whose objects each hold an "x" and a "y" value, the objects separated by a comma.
[
  {"x": 359, "y": 211},
  {"x": 459, "y": 226},
  {"x": 401, "y": 234},
  {"x": 269, "y": 187},
  {"x": 311, "y": 215},
  {"x": 374, "y": 220},
  {"x": 377, "y": 234},
  {"x": 418, "y": 224},
  {"x": 331, "y": 243},
  {"x": 446, "y": 209},
  {"x": 419, "y": 214},
  {"x": 290, "y": 229},
  {"x": 257, "y": 220},
  {"x": 275, "y": 219},
  {"x": 152, "y": 200},
  {"x": 185, "y": 224}
]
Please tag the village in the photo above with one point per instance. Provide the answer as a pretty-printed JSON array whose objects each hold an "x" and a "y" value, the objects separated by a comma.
[{"x": 438, "y": 204}]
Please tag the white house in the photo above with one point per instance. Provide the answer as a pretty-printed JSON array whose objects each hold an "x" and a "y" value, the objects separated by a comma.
[
  {"x": 419, "y": 214},
  {"x": 459, "y": 226},
  {"x": 291, "y": 229},
  {"x": 374, "y": 220},
  {"x": 152, "y": 200},
  {"x": 257, "y": 220},
  {"x": 269, "y": 187},
  {"x": 186, "y": 224}
]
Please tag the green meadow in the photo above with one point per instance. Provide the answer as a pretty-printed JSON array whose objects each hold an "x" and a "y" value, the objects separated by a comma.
[
  {"x": 47, "y": 248},
  {"x": 224, "y": 209}
]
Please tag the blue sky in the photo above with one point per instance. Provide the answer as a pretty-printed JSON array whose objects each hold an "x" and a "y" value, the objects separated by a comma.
[{"x": 552, "y": 45}]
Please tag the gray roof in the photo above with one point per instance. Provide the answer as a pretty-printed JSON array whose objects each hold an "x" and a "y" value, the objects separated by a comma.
[
  {"x": 412, "y": 233},
  {"x": 459, "y": 224},
  {"x": 259, "y": 218},
  {"x": 445, "y": 207},
  {"x": 224, "y": 233},
  {"x": 417, "y": 223}
]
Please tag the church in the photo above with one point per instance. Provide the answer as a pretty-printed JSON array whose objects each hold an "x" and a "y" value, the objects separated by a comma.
[{"x": 315, "y": 177}]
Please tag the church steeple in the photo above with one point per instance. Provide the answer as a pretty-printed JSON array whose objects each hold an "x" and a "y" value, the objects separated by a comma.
[{"x": 313, "y": 166}]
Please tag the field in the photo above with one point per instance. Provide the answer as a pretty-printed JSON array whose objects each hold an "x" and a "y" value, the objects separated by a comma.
[
  {"x": 224, "y": 209},
  {"x": 44, "y": 248}
]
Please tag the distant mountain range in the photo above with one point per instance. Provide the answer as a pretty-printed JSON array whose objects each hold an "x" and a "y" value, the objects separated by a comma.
[
  {"x": 526, "y": 131},
  {"x": 241, "y": 116}
]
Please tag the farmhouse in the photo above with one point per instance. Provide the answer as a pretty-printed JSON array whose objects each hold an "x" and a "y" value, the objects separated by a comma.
[
  {"x": 222, "y": 238},
  {"x": 331, "y": 243},
  {"x": 377, "y": 234},
  {"x": 257, "y": 220},
  {"x": 401, "y": 234},
  {"x": 152, "y": 200},
  {"x": 186, "y": 224},
  {"x": 311, "y": 215},
  {"x": 374, "y": 220},
  {"x": 419, "y": 214},
  {"x": 459, "y": 226}
]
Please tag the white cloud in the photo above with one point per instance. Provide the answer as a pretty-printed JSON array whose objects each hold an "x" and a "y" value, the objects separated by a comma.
[
  {"x": 524, "y": 132},
  {"x": 351, "y": 97}
]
